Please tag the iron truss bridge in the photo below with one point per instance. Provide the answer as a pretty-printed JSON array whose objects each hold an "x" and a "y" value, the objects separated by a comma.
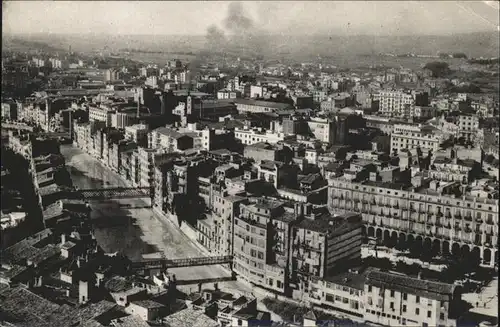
[
  {"x": 111, "y": 193},
  {"x": 18, "y": 126},
  {"x": 56, "y": 134},
  {"x": 178, "y": 263}
]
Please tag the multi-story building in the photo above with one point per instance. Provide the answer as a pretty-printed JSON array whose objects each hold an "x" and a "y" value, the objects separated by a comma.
[
  {"x": 428, "y": 219},
  {"x": 393, "y": 102},
  {"x": 257, "y": 135},
  {"x": 385, "y": 124},
  {"x": 169, "y": 139},
  {"x": 115, "y": 153},
  {"x": 228, "y": 94},
  {"x": 339, "y": 292},
  {"x": 137, "y": 133},
  {"x": 328, "y": 105},
  {"x": 322, "y": 243},
  {"x": 261, "y": 244},
  {"x": 468, "y": 126},
  {"x": 323, "y": 129},
  {"x": 265, "y": 151},
  {"x": 255, "y": 106},
  {"x": 399, "y": 300},
  {"x": 111, "y": 75},
  {"x": 121, "y": 120},
  {"x": 419, "y": 112},
  {"x": 102, "y": 113},
  {"x": 407, "y": 136},
  {"x": 216, "y": 232}
]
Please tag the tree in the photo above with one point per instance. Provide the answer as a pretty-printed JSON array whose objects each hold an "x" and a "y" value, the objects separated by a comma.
[{"x": 438, "y": 68}]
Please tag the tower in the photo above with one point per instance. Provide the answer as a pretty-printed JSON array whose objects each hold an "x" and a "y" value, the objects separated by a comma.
[
  {"x": 138, "y": 106},
  {"x": 189, "y": 105},
  {"x": 162, "y": 103}
]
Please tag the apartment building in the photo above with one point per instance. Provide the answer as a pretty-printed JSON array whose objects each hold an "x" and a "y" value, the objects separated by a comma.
[
  {"x": 406, "y": 136},
  {"x": 427, "y": 218},
  {"x": 385, "y": 124},
  {"x": 393, "y": 102},
  {"x": 323, "y": 129},
  {"x": 137, "y": 133},
  {"x": 169, "y": 139},
  {"x": 216, "y": 232},
  {"x": 342, "y": 292},
  {"x": 257, "y": 135},
  {"x": 322, "y": 242},
  {"x": 468, "y": 126},
  {"x": 116, "y": 149},
  {"x": 419, "y": 112},
  {"x": 399, "y": 300},
  {"x": 277, "y": 173},
  {"x": 228, "y": 94},
  {"x": 261, "y": 243},
  {"x": 255, "y": 106},
  {"x": 101, "y": 113}
]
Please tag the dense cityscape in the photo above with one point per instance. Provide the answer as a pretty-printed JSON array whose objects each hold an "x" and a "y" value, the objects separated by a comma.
[{"x": 229, "y": 188}]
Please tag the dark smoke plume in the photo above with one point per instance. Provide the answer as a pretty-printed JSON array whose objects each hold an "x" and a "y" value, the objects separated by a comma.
[
  {"x": 242, "y": 37},
  {"x": 215, "y": 38},
  {"x": 236, "y": 20}
]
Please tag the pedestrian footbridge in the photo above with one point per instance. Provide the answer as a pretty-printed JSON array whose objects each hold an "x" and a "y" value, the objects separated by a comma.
[
  {"x": 111, "y": 193},
  {"x": 164, "y": 263}
]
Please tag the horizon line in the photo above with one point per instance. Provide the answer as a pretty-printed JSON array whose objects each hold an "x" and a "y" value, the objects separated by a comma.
[{"x": 5, "y": 33}]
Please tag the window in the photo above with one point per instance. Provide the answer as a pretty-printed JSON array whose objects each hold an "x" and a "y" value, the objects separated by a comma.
[
  {"x": 404, "y": 307},
  {"x": 417, "y": 299},
  {"x": 417, "y": 311},
  {"x": 392, "y": 305},
  {"x": 405, "y": 296},
  {"x": 392, "y": 293},
  {"x": 429, "y": 314},
  {"x": 441, "y": 316},
  {"x": 329, "y": 298},
  {"x": 240, "y": 322},
  {"x": 369, "y": 288}
]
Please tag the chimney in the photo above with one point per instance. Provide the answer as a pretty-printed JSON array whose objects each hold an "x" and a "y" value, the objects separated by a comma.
[{"x": 63, "y": 238}]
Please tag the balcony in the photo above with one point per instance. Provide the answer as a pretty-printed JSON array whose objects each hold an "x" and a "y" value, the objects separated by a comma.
[
  {"x": 468, "y": 218},
  {"x": 458, "y": 215},
  {"x": 439, "y": 214}
]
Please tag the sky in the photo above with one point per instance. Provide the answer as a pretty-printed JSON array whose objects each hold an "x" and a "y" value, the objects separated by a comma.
[{"x": 294, "y": 17}]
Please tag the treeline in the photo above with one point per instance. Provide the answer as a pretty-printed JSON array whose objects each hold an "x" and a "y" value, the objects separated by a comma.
[
  {"x": 457, "y": 55},
  {"x": 185, "y": 53},
  {"x": 490, "y": 61}
]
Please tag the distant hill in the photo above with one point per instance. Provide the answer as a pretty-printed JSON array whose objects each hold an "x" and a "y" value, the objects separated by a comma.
[{"x": 473, "y": 44}]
